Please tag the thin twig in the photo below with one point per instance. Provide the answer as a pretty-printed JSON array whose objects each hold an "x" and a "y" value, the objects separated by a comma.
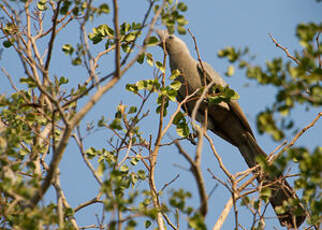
[
  {"x": 87, "y": 203},
  {"x": 117, "y": 39},
  {"x": 318, "y": 48},
  {"x": 170, "y": 182},
  {"x": 284, "y": 49},
  {"x": 80, "y": 145},
  {"x": 127, "y": 152},
  {"x": 219, "y": 180},
  {"x": 297, "y": 136},
  {"x": 221, "y": 164},
  {"x": 167, "y": 219},
  {"x": 199, "y": 57}
]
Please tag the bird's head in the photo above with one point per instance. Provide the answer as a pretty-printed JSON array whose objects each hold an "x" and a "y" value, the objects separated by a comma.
[{"x": 172, "y": 44}]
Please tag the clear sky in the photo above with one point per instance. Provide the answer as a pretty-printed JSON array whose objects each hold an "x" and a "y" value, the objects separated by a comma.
[{"x": 216, "y": 24}]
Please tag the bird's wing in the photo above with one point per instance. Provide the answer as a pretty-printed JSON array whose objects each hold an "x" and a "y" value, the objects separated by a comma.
[
  {"x": 212, "y": 75},
  {"x": 233, "y": 104}
]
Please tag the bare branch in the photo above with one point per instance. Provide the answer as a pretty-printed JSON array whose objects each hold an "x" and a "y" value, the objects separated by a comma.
[
  {"x": 53, "y": 35},
  {"x": 199, "y": 57},
  {"x": 167, "y": 184},
  {"x": 197, "y": 173},
  {"x": 284, "y": 49},
  {"x": 117, "y": 39},
  {"x": 297, "y": 136},
  {"x": 79, "y": 142},
  {"x": 127, "y": 153},
  {"x": 221, "y": 164},
  {"x": 318, "y": 48},
  {"x": 167, "y": 219},
  {"x": 87, "y": 203}
]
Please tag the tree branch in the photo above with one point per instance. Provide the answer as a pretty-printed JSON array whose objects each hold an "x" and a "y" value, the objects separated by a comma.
[
  {"x": 117, "y": 39},
  {"x": 284, "y": 49}
]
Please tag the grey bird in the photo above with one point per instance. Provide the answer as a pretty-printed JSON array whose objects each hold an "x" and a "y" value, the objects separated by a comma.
[{"x": 225, "y": 119}]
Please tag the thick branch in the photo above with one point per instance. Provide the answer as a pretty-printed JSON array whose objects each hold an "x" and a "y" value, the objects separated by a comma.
[
  {"x": 197, "y": 173},
  {"x": 53, "y": 35}
]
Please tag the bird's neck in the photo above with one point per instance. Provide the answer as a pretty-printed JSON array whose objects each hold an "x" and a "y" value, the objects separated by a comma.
[{"x": 179, "y": 60}]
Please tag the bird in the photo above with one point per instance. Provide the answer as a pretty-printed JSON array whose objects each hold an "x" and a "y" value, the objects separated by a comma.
[{"x": 226, "y": 119}]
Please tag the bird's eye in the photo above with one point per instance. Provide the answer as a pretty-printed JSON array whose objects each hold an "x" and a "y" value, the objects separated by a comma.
[{"x": 171, "y": 37}]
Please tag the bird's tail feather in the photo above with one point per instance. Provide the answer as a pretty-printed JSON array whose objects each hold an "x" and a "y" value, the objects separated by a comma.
[{"x": 281, "y": 190}]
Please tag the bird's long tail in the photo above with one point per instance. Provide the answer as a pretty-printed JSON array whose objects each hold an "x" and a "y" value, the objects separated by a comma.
[{"x": 281, "y": 190}]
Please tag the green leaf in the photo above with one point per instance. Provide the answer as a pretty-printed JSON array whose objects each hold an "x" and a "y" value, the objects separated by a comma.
[
  {"x": 129, "y": 37},
  {"x": 116, "y": 124},
  {"x": 7, "y": 44},
  {"x": 181, "y": 20},
  {"x": 101, "y": 168},
  {"x": 124, "y": 168},
  {"x": 30, "y": 82},
  {"x": 182, "y": 7},
  {"x": 171, "y": 93},
  {"x": 265, "y": 194},
  {"x": 221, "y": 53},
  {"x": 101, "y": 122},
  {"x": 149, "y": 59},
  {"x": 230, "y": 71},
  {"x": 41, "y": 5},
  {"x": 280, "y": 210},
  {"x": 107, "y": 44},
  {"x": 63, "y": 80},
  {"x": 125, "y": 27},
  {"x": 175, "y": 73},
  {"x": 134, "y": 178},
  {"x": 141, "y": 174},
  {"x": 68, "y": 49},
  {"x": 126, "y": 48},
  {"x": 142, "y": 84},
  {"x": 65, "y": 8},
  {"x": 132, "y": 109},
  {"x": 245, "y": 201},
  {"x": 77, "y": 61},
  {"x": 176, "y": 85},
  {"x": 141, "y": 58},
  {"x": 242, "y": 64},
  {"x": 178, "y": 118},
  {"x": 147, "y": 224},
  {"x": 181, "y": 30},
  {"x": 91, "y": 153},
  {"x": 134, "y": 161},
  {"x": 160, "y": 66},
  {"x": 231, "y": 94},
  {"x": 196, "y": 222},
  {"x": 152, "y": 41},
  {"x": 183, "y": 130},
  {"x": 103, "y": 9},
  {"x": 132, "y": 88}
]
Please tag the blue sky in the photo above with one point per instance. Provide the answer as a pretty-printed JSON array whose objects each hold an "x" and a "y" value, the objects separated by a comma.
[{"x": 216, "y": 24}]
